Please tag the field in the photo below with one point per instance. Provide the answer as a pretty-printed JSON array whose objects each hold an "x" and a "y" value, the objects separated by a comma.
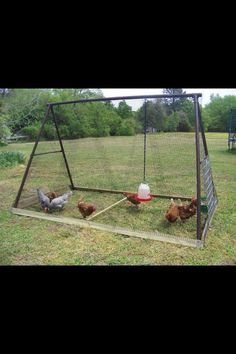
[{"x": 30, "y": 241}]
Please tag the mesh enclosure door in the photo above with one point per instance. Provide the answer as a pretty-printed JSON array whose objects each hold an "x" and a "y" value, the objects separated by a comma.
[{"x": 208, "y": 192}]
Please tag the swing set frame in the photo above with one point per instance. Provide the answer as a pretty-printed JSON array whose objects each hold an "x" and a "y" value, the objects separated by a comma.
[{"x": 212, "y": 201}]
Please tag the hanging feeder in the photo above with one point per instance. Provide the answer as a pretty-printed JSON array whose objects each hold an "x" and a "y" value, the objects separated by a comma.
[
  {"x": 142, "y": 200},
  {"x": 143, "y": 194}
]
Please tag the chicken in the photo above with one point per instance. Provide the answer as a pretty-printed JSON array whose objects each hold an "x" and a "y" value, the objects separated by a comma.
[
  {"x": 194, "y": 201},
  {"x": 59, "y": 202},
  {"x": 172, "y": 213},
  {"x": 52, "y": 195},
  {"x": 86, "y": 209},
  {"x": 131, "y": 199},
  {"x": 43, "y": 199},
  {"x": 181, "y": 211},
  {"x": 56, "y": 203},
  {"x": 186, "y": 211}
]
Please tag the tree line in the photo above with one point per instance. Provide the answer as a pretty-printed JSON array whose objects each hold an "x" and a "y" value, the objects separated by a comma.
[{"x": 22, "y": 111}]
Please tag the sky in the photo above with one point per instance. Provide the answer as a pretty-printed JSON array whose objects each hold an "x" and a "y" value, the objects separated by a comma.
[{"x": 206, "y": 93}]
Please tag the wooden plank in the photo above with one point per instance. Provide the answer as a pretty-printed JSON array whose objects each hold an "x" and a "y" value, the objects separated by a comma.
[
  {"x": 155, "y": 235},
  {"x": 108, "y": 208}
]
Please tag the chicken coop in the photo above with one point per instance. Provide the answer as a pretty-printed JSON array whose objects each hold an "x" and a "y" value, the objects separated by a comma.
[
  {"x": 232, "y": 129},
  {"x": 105, "y": 167}
]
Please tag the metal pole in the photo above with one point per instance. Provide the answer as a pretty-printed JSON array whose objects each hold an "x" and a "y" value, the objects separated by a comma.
[
  {"x": 30, "y": 160},
  {"x": 145, "y": 140},
  {"x": 198, "y": 176},
  {"x": 62, "y": 149},
  {"x": 121, "y": 98},
  {"x": 202, "y": 131}
]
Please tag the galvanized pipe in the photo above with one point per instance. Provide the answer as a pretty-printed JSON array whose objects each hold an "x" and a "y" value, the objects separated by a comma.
[
  {"x": 202, "y": 131},
  {"x": 121, "y": 98},
  {"x": 145, "y": 141}
]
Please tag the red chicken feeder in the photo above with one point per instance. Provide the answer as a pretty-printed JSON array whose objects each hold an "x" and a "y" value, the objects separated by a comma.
[{"x": 143, "y": 200}]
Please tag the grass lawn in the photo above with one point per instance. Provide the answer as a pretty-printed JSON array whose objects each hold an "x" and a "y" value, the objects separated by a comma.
[{"x": 31, "y": 241}]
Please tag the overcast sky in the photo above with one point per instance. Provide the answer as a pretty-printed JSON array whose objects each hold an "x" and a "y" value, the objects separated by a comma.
[{"x": 132, "y": 92}]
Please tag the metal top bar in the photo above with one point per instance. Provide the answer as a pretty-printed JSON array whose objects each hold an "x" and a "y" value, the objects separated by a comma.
[{"x": 186, "y": 95}]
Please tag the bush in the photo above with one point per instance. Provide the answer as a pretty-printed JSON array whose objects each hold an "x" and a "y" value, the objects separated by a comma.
[
  {"x": 127, "y": 128},
  {"x": 4, "y": 129},
  {"x": 11, "y": 158},
  {"x": 31, "y": 131},
  {"x": 172, "y": 122},
  {"x": 64, "y": 131},
  {"x": 184, "y": 124},
  {"x": 50, "y": 132},
  {"x": 2, "y": 143}
]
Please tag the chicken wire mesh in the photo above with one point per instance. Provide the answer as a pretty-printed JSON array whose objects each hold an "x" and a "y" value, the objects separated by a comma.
[{"x": 164, "y": 157}]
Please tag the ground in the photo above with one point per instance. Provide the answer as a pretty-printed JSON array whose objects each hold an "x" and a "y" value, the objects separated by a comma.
[{"x": 26, "y": 241}]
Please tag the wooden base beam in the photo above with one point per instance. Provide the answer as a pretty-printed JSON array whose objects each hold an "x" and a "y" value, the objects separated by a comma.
[{"x": 154, "y": 235}]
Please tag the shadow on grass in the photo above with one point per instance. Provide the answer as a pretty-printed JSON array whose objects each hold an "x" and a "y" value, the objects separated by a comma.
[
  {"x": 232, "y": 151},
  {"x": 227, "y": 152}
]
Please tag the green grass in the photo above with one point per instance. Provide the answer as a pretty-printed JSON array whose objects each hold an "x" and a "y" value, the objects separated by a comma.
[{"x": 31, "y": 241}]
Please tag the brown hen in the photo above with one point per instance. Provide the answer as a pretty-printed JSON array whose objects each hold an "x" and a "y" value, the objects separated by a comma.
[
  {"x": 186, "y": 211},
  {"x": 86, "y": 209},
  {"x": 53, "y": 195},
  {"x": 131, "y": 198},
  {"x": 172, "y": 213}
]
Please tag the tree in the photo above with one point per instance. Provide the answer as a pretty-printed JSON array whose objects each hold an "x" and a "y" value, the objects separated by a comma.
[
  {"x": 184, "y": 124},
  {"x": 216, "y": 113},
  {"x": 4, "y": 130},
  {"x": 124, "y": 110},
  {"x": 172, "y": 104},
  {"x": 172, "y": 122},
  {"x": 24, "y": 110},
  {"x": 22, "y": 107},
  {"x": 187, "y": 114},
  {"x": 155, "y": 115}
]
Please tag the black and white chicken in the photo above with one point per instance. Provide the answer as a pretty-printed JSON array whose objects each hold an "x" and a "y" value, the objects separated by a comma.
[
  {"x": 55, "y": 204},
  {"x": 43, "y": 199}
]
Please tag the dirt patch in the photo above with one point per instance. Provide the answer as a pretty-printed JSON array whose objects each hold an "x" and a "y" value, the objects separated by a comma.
[
  {"x": 4, "y": 186},
  {"x": 230, "y": 261},
  {"x": 54, "y": 227}
]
